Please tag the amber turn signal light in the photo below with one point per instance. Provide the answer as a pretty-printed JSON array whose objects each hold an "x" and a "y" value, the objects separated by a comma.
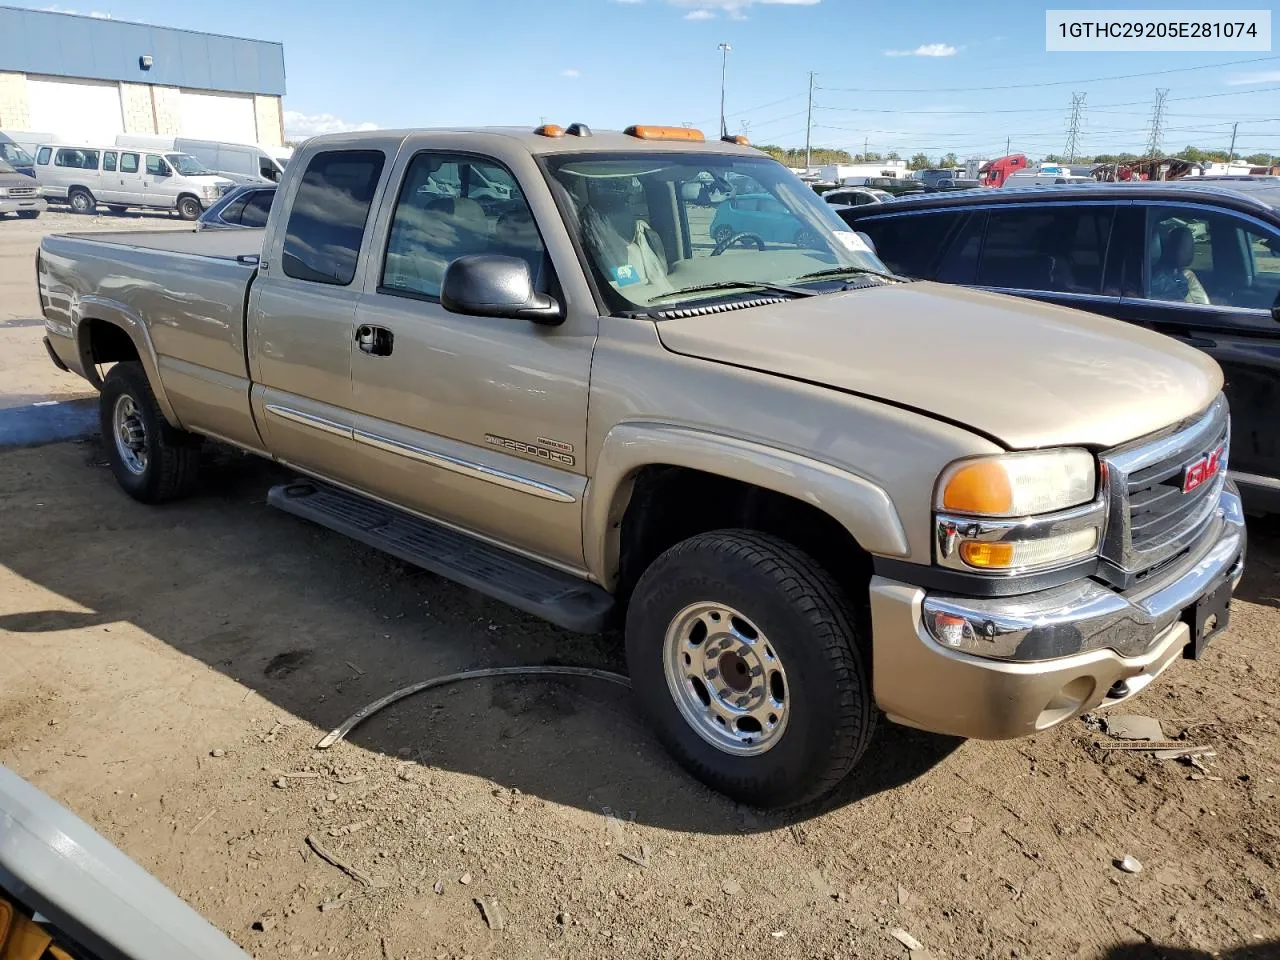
[{"x": 665, "y": 133}]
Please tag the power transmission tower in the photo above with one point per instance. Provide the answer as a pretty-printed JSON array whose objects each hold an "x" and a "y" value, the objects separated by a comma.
[
  {"x": 1157, "y": 123},
  {"x": 808, "y": 128},
  {"x": 1073, "y": 126}
]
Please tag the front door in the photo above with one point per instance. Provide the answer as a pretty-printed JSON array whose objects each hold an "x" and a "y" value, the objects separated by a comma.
[
  {"x": 301, "y": 314},
  {"x": 477, "y": 421},
  {"x": 158, "y": 187},
  {"x": 1211, "y": 278}
]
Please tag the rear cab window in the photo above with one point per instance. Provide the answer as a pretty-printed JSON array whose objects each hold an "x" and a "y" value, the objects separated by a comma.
[{"x": 330, "y": 209}]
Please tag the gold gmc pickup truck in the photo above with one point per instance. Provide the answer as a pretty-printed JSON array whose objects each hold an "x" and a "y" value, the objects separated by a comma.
[{"x": 642, "y": 376}]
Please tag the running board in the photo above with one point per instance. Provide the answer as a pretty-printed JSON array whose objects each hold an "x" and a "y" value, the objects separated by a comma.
[{"x": 527, "y": 585}]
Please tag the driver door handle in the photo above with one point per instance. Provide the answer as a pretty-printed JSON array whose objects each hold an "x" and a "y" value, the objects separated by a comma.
[{"x": 376, "y": 341}]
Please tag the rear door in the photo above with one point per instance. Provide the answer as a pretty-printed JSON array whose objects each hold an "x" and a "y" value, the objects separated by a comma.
[
  {"x": 1211, "y": 278},
  {"x": 109, "y": 192},
  {"x": 130, "y": 187},
  {"x": 301, "y": 314}
]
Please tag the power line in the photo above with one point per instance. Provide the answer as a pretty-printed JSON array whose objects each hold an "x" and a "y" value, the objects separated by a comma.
[
  {"x": 1157, "y": 123},
  {"x": 1100, "y": 108},
  {"x": 1073, "y": 126},
  {"x": 1053, "y": 83}
]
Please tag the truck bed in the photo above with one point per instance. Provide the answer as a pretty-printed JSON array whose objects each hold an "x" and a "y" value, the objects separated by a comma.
[{"x": 222, "y": 244}]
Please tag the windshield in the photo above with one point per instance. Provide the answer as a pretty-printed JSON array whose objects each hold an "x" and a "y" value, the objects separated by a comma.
[
  {"x": 652, "y": 226},
  {"x": 6, "y": 167},
  {"x": 15, "y": 155},
  {"x": 187, "y": 165}
]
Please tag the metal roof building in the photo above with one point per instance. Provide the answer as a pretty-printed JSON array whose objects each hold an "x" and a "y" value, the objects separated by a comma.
[{"x": 91, "y": 78}]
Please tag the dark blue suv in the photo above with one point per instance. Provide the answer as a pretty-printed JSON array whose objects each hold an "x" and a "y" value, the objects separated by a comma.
[{"x": 1197, "y": 261}]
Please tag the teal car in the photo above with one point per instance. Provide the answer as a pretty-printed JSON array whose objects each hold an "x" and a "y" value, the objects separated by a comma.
[{"x": 759, "y": 215}]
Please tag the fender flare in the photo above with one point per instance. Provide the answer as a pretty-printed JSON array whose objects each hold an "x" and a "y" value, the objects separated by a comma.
[
  {"x": 118, "y": 315},
  {"x": 859, "y": 505}
]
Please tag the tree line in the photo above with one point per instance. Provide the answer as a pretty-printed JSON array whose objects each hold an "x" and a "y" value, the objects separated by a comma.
[{"x": 795, "y": 157}]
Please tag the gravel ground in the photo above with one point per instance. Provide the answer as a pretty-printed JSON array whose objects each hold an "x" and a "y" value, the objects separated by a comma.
[{"x": 166, "y": 674}]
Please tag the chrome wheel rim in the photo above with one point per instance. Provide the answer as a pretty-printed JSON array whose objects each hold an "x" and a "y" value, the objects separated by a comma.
[
  {"x": 726, "y": 679},
  {"x": 80, "y": 202},
  {"x": 130, "y": 434}
]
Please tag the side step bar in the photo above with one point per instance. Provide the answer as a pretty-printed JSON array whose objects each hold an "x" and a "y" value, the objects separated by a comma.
[{"x": 525, "y": 584}]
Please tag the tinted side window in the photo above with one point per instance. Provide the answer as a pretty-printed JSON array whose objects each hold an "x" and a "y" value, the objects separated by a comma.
[
  {"x": 910, "y": 245},
  {"x": 77, "y": 159},
  {"x": 156, "y": 166},
  {"x": 128, "y": 163},
  {"x": 1057, "y": 248},
  {"x": 431, "y": 228},
  {"x": 109, "y": 161},
  {"x": 42, "y": 157},
  {"x": 256, "y": 210},
  {"x": 960, "y": 264},
  {"x": 330, "y": 209},
  {"x": 233, "y": 212}
]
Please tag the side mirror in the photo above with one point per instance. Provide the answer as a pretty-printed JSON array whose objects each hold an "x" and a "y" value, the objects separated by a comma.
[
  {"x": 868, "y": 241},
  {"x": 490, "y": 285}
]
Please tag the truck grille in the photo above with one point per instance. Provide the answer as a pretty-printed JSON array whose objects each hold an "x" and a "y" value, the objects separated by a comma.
[
  {"x": 22, "y": 192},
  {"x": 1152, "y": 521}
]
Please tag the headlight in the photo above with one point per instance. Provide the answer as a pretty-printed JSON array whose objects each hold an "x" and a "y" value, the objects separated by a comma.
[
  {"x": 39, "y": 191},
  {"x": 4, "y": 191},
  {"x": 1018, "y": 484},
  {"x": 1018, "y": 513}
]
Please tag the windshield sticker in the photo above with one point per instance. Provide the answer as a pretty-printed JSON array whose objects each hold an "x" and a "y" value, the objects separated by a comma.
[
  {"x": 626, "y": 275},
  {"x": 852, "y": 242}
]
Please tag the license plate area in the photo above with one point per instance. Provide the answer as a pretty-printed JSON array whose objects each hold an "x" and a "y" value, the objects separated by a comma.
[{"x": 1207, "y": 618}]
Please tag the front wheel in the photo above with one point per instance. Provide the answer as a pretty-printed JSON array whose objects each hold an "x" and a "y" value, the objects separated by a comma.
[
  {"x": 746, "y": 659},
  {"x": 189, "y": 208},
  {"x": 81, "y": 200},
  {"x": 28, "y": 214},
  {"x": 152, "y": 460}
]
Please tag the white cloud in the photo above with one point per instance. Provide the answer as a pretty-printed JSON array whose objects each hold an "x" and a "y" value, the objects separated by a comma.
[
  {"x": 926, "y": 50},
  {"x": 96, "y": 14},
  {"x": 1247, "y": 79},
  {"x": 299, "y": 126},
  {"x": 733, "y": 9},
  {"x": 571, "y": 72}
]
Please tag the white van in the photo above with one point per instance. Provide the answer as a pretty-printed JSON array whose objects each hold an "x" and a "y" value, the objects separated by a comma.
[
  {"x": 86, "y": 176},
  {"x": 240, "y": 162}
]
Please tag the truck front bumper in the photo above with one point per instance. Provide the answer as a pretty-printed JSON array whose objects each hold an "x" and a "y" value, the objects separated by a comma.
[
  {"x": 21, "y": 204},
  {"x": 1068, "y": 649}
]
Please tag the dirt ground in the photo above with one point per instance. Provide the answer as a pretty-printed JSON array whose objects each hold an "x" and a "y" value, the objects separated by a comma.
[{"x": 166, "y": 674}]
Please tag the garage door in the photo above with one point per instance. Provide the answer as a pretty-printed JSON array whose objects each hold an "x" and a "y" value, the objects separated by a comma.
[
  {"x": 218, "y": 116},
  {"x": 76, "y": 110}
]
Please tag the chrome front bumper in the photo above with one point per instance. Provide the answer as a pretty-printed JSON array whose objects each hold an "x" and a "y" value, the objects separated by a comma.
[{"x": 1029, "y": 662}]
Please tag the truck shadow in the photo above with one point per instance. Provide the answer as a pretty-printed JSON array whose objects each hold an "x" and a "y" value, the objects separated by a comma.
[
  {"x": 1153, "y": 951},
  {"x": 1261, "y": 583},
  {"x": 320, "y": 626}
]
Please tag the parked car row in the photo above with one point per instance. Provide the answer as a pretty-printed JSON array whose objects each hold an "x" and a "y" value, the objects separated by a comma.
[{"x": 1196, "y": 259}]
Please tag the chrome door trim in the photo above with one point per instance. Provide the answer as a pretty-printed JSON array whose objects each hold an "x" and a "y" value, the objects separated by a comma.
[
  {"x": 310, "y": 420},
  {"x": 466, "y": 468}
]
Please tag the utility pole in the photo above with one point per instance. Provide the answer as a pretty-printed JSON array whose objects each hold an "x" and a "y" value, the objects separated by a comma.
[
  {"x": 724, "y": 49},
  {"x": 1008, "y": 141},
  {"x": 808, "y": 129},
  {"x": 1231, "y": 154},
  {"x": 1157, "y": 123},
  {"x": 866, "y": 142},
  {"x": 1073, "y": 127}
]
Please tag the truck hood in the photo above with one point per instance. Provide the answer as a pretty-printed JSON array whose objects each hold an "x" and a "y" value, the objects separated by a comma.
[{"x": 1025, "y": 373}]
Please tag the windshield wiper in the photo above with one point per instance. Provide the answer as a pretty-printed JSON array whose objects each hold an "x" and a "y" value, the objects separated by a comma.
[
  {"x": 737, "y": 285},
  {"x": 836, "y": 272}
]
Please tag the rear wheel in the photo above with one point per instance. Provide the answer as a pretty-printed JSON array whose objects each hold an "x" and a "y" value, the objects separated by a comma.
[
  {"x": 745, "y": 657},
  {"x": 189, "y": 208},
  {"x": 152, "y": 460},
  {"x": 81, "y": 200}
]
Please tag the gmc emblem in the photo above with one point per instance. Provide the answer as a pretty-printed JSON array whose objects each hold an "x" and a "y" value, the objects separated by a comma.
[{"x": 1206, "y": 468}]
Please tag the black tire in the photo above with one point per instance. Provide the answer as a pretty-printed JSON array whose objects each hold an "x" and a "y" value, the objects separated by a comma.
[
  {"x": 807, "y": 621},
  {"x": 172, "y": 456},
  {"x": 81, "y": 200},
  {"x": 189, "y": 208},
  {"x": 28, "y": 214},
  {"x": 722, "y": 233},
  {"x": 117, "y": 208}
]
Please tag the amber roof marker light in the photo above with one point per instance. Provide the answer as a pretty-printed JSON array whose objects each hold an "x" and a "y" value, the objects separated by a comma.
[
  {"x": 549, "y": 130},
  {"x": 651, "y": 132}
]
